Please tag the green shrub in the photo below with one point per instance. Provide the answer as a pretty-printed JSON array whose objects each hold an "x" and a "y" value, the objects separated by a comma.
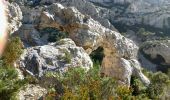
[
  {"x": 81, "y": 85},
  {"x": 9, "y": 83},
  {"x": 159, "y": 82}
]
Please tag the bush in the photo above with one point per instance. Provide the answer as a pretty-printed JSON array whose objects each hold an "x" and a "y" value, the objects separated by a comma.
[
  {"x": 81, "y": 85},
  {"x": 159, "y": 82},
  {"x": 9, "y": 83},
  {"x": 13, "y": 50},
  {"x": 143, "y": 34}
]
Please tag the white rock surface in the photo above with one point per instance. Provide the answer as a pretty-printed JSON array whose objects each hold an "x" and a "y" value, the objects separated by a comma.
[
  {"x": 84, "y": 30},
  {"x": 90, "y": 34},
  {"x": 14, "y": 14},
  {"x": 158, "y": 48},
  {"x": 32, "y": 92},
  {"x": 55, "y": 57}
]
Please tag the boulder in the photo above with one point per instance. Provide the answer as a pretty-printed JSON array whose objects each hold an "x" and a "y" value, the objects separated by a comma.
[
  {"x": 54, "y": 57},
  {"x": 32, "y": 92}
]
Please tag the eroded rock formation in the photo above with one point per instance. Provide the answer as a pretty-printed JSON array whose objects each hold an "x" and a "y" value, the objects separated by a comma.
[
  {"x": 86, "y": 33},
  {"x": 158, "y": 50}
]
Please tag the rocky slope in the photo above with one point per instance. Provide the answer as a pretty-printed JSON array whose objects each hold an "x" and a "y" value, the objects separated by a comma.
[
  {"x": 90, "y": 25},
  {"x": 153, "y": 12},
  {"x": 120, "y": 52}
]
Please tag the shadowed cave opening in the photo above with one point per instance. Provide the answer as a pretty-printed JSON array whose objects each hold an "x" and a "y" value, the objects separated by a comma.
[
  {"x": 159, "y": 59},
  {"x": 53, "y": 34},
  {"x": 97, "y": 55}
]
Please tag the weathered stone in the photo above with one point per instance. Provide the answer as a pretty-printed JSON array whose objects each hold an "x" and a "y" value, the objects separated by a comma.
[
  {"x": 84, "y": 31},
  {"x": 14, "y": 17},
  {"x": 90, "y": 34},
  {"x": 158, "y": 50},
  {"x": 32, "y": 92},
  {"x": 129, "y": 12},
  {"x": 55, "y": 57}
]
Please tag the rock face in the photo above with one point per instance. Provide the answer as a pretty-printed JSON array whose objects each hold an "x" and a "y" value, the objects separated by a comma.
[
  {"x": 85, "y": 32},
  {"x": 154, "y": 13},
  {"x": 56, "y": 57},
  {"x": 158, "y": 50},
  {"x": 130, "y": 12}
]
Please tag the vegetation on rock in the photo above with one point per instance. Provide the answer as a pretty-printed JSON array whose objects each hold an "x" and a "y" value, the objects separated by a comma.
[
  {"x": 9, "y": 81},
  {"x": 77, "y": 84}
]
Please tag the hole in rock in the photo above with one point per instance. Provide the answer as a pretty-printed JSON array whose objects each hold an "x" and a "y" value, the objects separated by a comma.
[
  {"x": 159, "y": 60},
  {"x": 52, "y": 34},
  {"x": 97, "y": 55}
]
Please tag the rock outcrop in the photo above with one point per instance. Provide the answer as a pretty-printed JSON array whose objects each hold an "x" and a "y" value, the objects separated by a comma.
[
  {"x": 86, "y": 33},
  {"x": 56, "y": 57},
  {"x": 154, "y": 13},
  {"x": 158, "y": 50}
]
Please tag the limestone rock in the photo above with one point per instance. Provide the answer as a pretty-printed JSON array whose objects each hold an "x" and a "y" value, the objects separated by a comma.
[
  {"x": 158, "y": 49},
  {"x": 56, "y": 57},
  {"x": 84, "y": 30},
  {"x": 32, "y": 92},
  {"x": 14, "y": 14},
  {"x": 86, "y": 8},
  {"x": 90, "y": 34},
  {"x": 132, "y": 67},
  {"x": 154, "y": 13}
]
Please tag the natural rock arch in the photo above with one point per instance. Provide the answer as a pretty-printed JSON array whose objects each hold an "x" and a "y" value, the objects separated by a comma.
[{"x": 120, "y": 52}]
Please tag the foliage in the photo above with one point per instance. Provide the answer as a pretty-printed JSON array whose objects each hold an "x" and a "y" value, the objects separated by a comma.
[
  {"x": 13, "y": 50},
  {"x": 144, "y": 34},
  {"x": 66, "y": 57},
  {"x": 80, "y": 84},
  {"x": 158, "y": 89},
  {"x": 124, "y": 92},
  {"x": 159, "y": 82},
  {"x": 9, "y": 83}
]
